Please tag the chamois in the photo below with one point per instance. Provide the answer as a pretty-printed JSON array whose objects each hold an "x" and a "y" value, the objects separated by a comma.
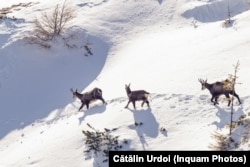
[
  {"x": 136, "y": 95},
  {"x": 87, "y": 97},
  {"x": 219, "y": 88}
]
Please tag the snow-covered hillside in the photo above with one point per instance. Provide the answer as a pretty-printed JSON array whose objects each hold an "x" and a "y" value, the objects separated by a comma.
[{"x": 161, "y": 46}]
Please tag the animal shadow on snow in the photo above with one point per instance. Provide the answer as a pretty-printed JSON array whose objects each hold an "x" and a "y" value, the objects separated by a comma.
[
  {"x": 96, "y": 109},
  {"x": 224, "y": 115},
  {"x": 145, "y": 124}
]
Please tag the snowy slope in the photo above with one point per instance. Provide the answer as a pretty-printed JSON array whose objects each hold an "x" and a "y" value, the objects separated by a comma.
[{"x": 162, "y": 47}]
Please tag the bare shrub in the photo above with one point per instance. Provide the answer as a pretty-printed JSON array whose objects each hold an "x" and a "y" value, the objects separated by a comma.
[
  {"x": 232, "y": 78},
  {"x": 51, "y": 25},
  {"x": 239, "y": 137}
]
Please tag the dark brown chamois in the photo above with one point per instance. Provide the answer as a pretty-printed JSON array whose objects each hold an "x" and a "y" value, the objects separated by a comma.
[
  {"x": 87, "y": 97},
  {"x": 136, "y": 95},
  {"x": 219, "y": 88}
]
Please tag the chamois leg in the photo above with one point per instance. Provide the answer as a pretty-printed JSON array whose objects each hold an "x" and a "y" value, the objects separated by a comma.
[
  {"x": 81, "y": 107},
  {"x": 87, "y": 105},
  {"x": 142, "y": 103},
  {"x": 147, "y": 103},
  {"x": 212, "y": 100},
  {"x": 236, "y": 95},
  {"x": 216, "y": 100},
  {"x": 127, "y": 104},
  {"x": 103, "y": 101},
  {"x": 228, "y": 97},
  {"x": 134, "y": 104}
]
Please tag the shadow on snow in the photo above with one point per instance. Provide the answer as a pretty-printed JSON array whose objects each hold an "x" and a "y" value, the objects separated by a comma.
[
  {"x": 216, "y": 11},
  {"x": 146, "y": 125},
  {"x": 40, "y": 82}
]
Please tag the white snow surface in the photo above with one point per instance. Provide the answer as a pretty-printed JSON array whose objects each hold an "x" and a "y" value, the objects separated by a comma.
[{"x": 160, "y": 46}]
